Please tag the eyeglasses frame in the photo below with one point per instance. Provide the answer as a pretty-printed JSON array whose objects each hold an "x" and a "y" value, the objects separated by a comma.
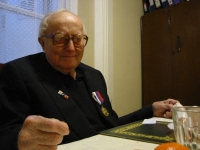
[{"x": 71, "y": 38}]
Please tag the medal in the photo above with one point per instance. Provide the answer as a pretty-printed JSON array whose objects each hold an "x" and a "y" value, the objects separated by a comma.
[
  {"x": 99, "y": 99},
  {"x": 104, "y": 111}
]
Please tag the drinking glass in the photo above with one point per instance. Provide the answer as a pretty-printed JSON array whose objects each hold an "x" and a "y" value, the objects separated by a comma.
[{"x": 187, "y": 126}]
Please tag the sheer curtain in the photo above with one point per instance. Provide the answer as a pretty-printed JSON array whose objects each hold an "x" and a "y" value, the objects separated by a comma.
[{"x": 19, "y": 23}]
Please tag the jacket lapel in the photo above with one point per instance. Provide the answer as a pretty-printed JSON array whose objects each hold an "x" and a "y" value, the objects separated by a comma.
[
  {"x": 70, "y": 112},
  {"x": 68, "y": 109},
  {"x": 93, "y": 87}
]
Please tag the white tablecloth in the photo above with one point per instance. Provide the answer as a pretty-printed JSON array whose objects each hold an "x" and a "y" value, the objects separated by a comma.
[{"x": 103, "y": 142}]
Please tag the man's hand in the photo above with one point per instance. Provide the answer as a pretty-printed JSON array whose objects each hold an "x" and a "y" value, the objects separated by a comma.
[
  {"x": 163, "y": 108},
  {"x": 39, "y": 133}
]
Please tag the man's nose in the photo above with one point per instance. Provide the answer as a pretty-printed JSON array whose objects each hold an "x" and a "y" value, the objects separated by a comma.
[{"x": 70, "y": 45}]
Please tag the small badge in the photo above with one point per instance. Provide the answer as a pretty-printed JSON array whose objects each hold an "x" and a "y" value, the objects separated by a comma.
[
  {"x": 104, "y": 111},
  {"x": 63, "y": 94}
]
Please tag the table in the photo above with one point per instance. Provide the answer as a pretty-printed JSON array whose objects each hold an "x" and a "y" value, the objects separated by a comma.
[{"x": 103, "y": 142}]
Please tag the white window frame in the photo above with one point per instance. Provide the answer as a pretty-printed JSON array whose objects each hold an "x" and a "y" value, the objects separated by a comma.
[
  {"x": 73, "y": 6},
  {"x": 103, "y": 39}
]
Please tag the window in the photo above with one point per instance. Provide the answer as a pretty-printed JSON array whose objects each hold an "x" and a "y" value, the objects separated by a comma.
[{"x": 19, "y": 24}]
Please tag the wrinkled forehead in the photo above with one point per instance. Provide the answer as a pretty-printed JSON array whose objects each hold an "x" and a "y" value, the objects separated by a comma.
[{"x": 64, "y": 22}]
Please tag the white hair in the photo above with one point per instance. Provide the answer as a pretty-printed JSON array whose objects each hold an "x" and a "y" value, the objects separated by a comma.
[{"x": 45, "y": 21}]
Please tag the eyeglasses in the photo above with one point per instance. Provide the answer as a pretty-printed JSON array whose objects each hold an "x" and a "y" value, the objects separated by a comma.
[{"x": 62, "y": 39}]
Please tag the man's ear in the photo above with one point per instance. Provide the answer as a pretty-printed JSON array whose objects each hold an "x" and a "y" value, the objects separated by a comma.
[{"x": 42, "y": 43}]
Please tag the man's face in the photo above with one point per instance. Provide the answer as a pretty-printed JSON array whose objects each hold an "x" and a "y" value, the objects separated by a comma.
[{"x": 63, "y": 58}]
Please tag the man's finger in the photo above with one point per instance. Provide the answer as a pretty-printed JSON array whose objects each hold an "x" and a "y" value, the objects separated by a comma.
[
  {"x": 49, "y": 138},
  {"x": 48, "y": 125},
  {"x": 46, "y": 147},
  {"x": 168, "y": 114}
]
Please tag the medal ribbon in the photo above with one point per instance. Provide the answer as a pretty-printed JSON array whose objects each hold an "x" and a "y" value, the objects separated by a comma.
[{"x": 97, "y": 97}]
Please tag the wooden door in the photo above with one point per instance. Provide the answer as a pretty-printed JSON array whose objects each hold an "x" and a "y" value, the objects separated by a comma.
[
  {"x": 185, "y": 29},
  {"x": 156, "y": 57}
]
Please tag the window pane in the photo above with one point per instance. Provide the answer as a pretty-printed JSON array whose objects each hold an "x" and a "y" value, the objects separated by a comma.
[{"x": 19, "y": 23}]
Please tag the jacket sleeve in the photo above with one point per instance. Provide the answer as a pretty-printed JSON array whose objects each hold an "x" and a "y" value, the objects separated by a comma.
[
  {"x": 143, "y": 113},
  {"x": 13, "y": 107}
]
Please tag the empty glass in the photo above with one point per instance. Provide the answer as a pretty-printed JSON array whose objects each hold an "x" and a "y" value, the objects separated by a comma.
[{"x": 187, "y": 126}]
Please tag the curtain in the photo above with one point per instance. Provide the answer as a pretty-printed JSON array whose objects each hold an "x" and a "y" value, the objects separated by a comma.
[{"x": 19, "y": 25}]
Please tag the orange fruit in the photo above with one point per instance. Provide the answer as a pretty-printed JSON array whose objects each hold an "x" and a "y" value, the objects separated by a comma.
[{"x": 171, "y": 146}]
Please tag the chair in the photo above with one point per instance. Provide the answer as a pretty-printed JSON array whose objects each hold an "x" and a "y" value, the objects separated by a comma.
[{"x": 1, "y": 65}]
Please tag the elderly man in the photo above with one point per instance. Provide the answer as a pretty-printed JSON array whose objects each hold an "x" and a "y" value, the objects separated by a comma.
[{"x": 51, "y": 97}]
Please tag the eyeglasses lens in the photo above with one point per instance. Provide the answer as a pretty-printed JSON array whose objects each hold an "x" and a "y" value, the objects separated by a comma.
[{"x": 60, "y": 39}]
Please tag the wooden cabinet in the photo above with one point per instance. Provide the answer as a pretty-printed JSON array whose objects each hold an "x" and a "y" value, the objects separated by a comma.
[{"x": 171, "y": 54}]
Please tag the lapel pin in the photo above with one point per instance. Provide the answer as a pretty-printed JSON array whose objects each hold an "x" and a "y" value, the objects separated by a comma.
[{"x": 63, "y": 94}]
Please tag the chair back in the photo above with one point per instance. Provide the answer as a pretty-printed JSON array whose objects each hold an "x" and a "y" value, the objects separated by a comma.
[{"x": 1, "y": 65}]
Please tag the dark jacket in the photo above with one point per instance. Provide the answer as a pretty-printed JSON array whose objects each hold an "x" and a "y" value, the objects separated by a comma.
[{"x": 29, "y": 86}]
